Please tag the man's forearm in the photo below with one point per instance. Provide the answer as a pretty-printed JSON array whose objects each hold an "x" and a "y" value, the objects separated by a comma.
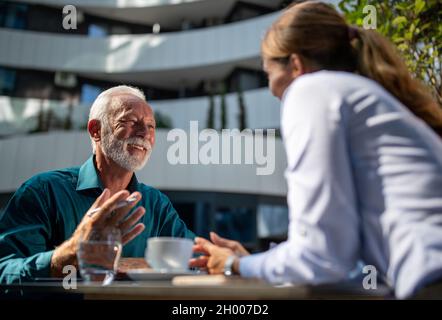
[
  {"x": 63, "y": 255},
  {"x": 16, "y": 269}
]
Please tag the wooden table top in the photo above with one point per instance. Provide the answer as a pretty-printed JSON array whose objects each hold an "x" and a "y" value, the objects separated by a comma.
[{"x": 195, "y": 287}]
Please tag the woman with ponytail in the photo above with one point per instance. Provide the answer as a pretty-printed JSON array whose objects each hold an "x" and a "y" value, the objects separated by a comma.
[{"x": 364, "y": 153}]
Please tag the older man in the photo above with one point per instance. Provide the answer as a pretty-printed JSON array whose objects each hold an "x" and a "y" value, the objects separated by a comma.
[{"x": 44, "y": 220}]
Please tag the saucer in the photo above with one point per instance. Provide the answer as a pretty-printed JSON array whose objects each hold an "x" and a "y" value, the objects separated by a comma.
[{"x": 145, "y": 274}]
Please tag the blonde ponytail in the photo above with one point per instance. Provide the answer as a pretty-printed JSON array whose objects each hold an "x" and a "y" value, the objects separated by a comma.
[
  {"x": 379, "y": 60},
  {"x": 320, "y": 34}
]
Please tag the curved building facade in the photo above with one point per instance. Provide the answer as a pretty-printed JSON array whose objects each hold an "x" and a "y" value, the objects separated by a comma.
[{"x": 198, "y": 62}]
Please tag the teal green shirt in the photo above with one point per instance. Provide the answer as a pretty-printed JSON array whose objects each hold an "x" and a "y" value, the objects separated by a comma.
[{"x": 47, "y": 208}]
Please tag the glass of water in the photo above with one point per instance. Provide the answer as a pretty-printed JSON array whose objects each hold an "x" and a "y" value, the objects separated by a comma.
[{"x": 98, "y": 255}]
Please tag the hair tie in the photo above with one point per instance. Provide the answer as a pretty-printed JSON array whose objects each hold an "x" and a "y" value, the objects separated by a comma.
[{"x": 353, "y": 32}]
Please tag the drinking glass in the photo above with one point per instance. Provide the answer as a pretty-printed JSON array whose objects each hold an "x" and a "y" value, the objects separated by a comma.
[{"x": 98, "y": 255}]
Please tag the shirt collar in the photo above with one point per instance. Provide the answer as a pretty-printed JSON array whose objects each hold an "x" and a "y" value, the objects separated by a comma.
[
  {"x": 133, "y": 184},
  {"x": 88, "y": 177}
]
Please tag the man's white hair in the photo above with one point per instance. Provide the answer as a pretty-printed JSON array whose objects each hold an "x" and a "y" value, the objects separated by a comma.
[{"x": 106, "y": 104}]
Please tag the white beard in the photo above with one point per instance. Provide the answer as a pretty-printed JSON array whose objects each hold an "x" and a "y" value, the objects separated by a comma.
[{"x": 116, "y": 150}]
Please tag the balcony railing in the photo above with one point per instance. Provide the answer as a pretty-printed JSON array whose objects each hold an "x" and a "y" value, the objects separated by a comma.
[{"x": 259, "y": 110}]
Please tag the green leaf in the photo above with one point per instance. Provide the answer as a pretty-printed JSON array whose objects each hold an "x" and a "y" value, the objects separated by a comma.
[
  {"x": 419, "y": 5},
  {"x": 414, "y": 26},
  {"x": 426, "y": 26},
  {"x": 412, "y": 29},
  {"x": 403, "y": 47},
  {"x": 343, "y": 6},
  {"x": 401, "y": 6},
  {"x": 399, "y": 21},
  {"x": 397, "y": 39}
]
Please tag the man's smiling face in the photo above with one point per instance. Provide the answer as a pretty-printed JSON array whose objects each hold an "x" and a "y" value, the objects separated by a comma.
[{"x": 129, "y": 137}]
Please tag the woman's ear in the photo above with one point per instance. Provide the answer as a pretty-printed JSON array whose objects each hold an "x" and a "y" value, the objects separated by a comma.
[
  {"x": 94, "y": 128},
  {"x": 297, "y": 64}
]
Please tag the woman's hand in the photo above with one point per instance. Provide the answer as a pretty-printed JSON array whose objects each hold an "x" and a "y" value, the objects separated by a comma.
[
  {"x": 215, "y": 254},
  {"x": 214, "y": 257},
  {"x": 233, "y": 245}
]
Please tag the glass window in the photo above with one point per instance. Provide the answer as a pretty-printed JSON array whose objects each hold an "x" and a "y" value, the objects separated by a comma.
[
  {"x": 120, "y": 30},
  {"x": 7, "y": 81},
  {"x": 65, "y": 79},
  {"x": 3, "y": 10},
  {"x": 273, "y": 221},
  {"x": 13, "y": 16},
  {"x": 237, "y": 224},
  {"x": 97, "y": 31},
  {"x": 248, "y": 81},
  {"x": 89, "y": 93}
]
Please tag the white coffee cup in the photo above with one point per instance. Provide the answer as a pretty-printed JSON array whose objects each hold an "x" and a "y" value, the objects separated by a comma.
[{"x": 169, "y": 254}]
